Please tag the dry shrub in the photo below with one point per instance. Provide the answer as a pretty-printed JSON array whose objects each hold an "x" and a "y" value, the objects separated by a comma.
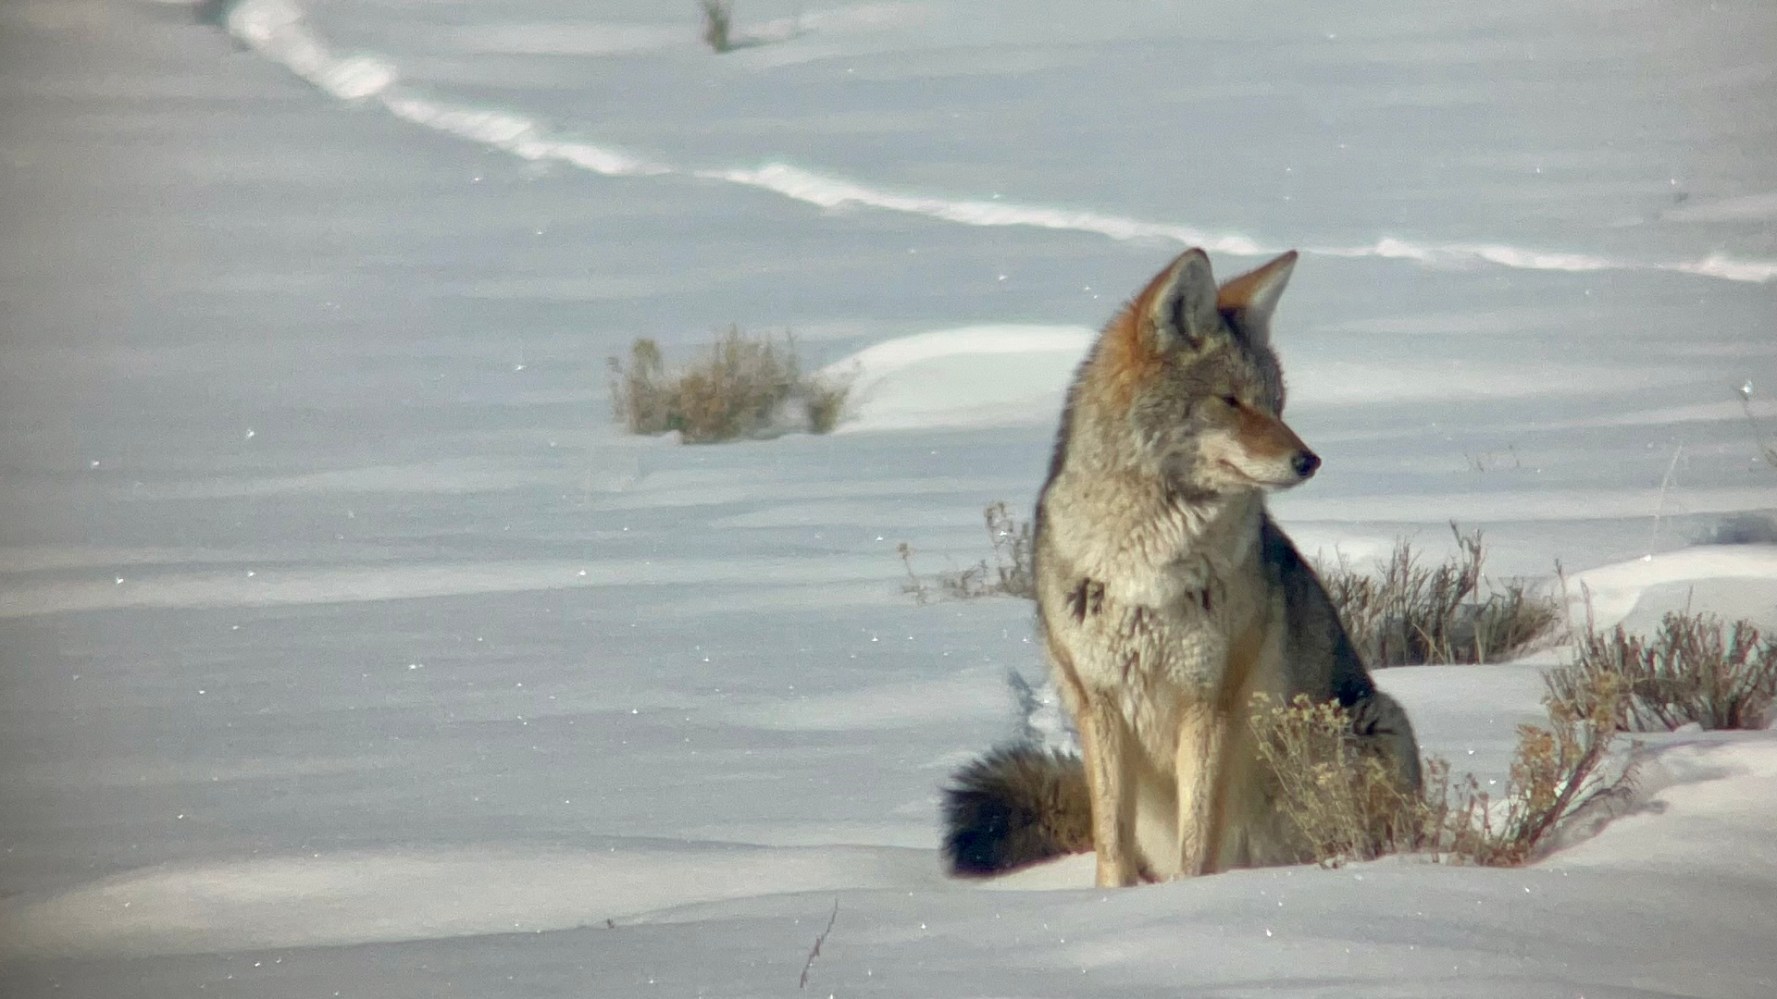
[
  {"x": 1413, "y": 613},
  {"x": 718, "y": 20},
  {"x": 1558, "y": 774},
  {"x": 1345, "y": 800},
  {"x": 823, "y": 400},
  {"x": 1349, "y": 804},
  {"x": 641, "y": 397},
  {"x": 739, "y": 387},
  {"x": 1010, "y": 573},
  {"x": 1694, "y": 669}
]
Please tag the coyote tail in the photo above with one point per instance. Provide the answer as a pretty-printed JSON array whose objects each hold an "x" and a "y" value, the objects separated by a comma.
[{"x": 1016, "y": 806}]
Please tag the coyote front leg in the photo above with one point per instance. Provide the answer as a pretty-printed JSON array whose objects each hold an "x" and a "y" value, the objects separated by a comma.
[
  {"x": 1106, "y": 744},
  {"x": 1201, "y": 766}
]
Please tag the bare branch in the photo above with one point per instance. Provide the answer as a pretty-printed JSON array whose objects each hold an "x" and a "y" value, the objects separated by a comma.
[{"x": 816, "y": 950}]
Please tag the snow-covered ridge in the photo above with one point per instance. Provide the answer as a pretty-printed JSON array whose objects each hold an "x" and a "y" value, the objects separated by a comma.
[
  {"x": 351, "y": 898},
  {"x": 972, "y": 376},
  {"x": 279, "y": 30}
]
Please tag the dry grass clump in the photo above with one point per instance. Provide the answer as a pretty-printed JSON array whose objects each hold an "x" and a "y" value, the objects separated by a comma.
[
  {"x": 823, "y": 401},
  {"x": 1010, "y": 572},
  {"x": 1558, "y": 775},
  {"x": 1345, "y": 800},
  {"x": 1414, "y": 613},
  {"x": 1349, "y": 804},
  {"x": 741, "y": 386},
  {"x": 1694, "y": 669},
  {"x": 718, "y": 20}
]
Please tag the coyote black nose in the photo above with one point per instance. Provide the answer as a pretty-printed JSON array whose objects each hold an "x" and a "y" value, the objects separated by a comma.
[{"x": 1305, "y": 463}]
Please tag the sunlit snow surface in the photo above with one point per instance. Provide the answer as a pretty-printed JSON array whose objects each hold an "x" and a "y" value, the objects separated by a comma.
[{"x": 346, "y": 647}]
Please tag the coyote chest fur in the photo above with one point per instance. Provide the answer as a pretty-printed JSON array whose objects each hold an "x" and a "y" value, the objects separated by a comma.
[{"x": 1167, "y": 599}]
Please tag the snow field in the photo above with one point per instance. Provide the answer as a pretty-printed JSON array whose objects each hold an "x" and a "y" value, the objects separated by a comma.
[{"x": 348, "y": 648}]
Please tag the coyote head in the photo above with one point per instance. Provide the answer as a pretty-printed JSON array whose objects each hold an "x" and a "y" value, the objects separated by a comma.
[{"x": 1188, "y": 371}]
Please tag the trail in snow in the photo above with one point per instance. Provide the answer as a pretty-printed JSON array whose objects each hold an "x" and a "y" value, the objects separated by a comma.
[{"x": 278, "y": 30}]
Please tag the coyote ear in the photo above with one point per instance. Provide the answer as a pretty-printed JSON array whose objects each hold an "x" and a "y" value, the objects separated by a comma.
[
  {"x": 1249, "y": 300},
  {"x": 1181, "y": 302}
]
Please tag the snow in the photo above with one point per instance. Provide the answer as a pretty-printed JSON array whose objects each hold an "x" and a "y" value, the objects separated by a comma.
[
  {"x": 976, "y": 376},
  {"x": 1741, "y": 572},
  {"x": 351, "y": 898},
  {"x": 346, "y": 647}
]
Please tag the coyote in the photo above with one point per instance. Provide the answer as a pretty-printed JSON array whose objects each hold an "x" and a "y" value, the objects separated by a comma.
[{"x": 1167, "y": 599}]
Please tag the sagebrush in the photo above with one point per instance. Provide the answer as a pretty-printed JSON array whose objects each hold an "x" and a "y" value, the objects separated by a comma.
[
  {"x": 1694, "y": 669},
  {"x": 718, "y": 22},
  {"x": 739, "y": 386},
  {"x": 1346, "y": 802},
  {"x": 1348, "y": 805},
  {"x": 1412, "y": 612},
  {"x": 1009, "y": 573},
  {"x": 1560, "y": 773}
]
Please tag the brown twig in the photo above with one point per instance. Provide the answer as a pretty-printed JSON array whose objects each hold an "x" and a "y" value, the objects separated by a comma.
[{"x": 816, "y": 950}]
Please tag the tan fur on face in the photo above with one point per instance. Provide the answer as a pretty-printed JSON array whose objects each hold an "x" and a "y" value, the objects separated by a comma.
[{"x": 1260, "y": 447}]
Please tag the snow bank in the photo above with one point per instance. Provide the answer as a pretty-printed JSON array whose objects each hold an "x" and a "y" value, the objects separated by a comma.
[
  {"x": 1727, "y": 580},
  {"x": 967, "y": 377}
]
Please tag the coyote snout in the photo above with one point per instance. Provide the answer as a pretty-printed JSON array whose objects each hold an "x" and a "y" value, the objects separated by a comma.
[{"x": 1257, "y": 450}]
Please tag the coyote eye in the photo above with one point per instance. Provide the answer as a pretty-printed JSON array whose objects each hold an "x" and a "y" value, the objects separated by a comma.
[{"x": 1232, "y": 402}]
